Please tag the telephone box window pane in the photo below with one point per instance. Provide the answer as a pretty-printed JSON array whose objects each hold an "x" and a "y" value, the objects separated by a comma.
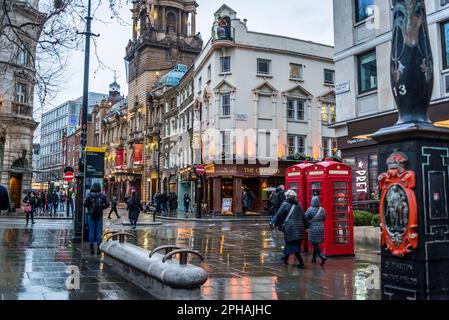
[
  {"x": 316, "y": 189},
  {"x": 294, "y": 186}
]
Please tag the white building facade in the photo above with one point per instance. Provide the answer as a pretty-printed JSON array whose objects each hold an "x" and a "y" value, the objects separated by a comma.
[
  {"x": 262, "y": 100},
  {"x": 364, "y": 98}
]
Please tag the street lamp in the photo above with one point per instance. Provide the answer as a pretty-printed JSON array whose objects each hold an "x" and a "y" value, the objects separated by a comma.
[{"x": 81, "y": 183}]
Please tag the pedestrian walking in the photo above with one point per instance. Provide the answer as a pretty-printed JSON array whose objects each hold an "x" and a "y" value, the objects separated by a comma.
[
  {"x": 63, "y": 200},
  {"x": 244, "y": 201},
  {"x": 114, "y": 203},
  {"x": 96, "y": 202},
  {"x": 30, "y": 202},
  {"x": 316, "y": 215},
  {"x": 45, "y": 201},
  {"x": 173, "y": 204},
  {"x": 157, "y": 202},
  {"x": 251, "y": 198},
  {"x": 292, "y": 221},
  {"x": 134, "y": 208},
  {"x": 276, "y": 201},
  {"x": 54, "y": 202},
  {"x": 187, "y": 201},
  {"x": 163, "y": 199},
  {"x": 5, "y": 204}
]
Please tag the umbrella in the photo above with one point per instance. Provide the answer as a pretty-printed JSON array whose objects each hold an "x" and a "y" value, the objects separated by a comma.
[
  {"x": 27, "y": 191},
  {"x": 271, "y": 189}
]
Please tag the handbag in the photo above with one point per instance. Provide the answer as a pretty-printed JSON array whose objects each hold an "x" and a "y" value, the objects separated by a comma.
[
  {"x": 288, "y": 217},
  {"x": 28, "y": 208}
]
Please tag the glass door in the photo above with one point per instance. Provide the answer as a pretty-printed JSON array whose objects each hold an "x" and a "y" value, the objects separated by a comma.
[{"x": 341, "y": 213}]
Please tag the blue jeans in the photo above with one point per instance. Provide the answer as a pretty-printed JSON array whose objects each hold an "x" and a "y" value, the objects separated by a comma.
[
  {"x": 95, "y": 230},
  {"x": 274, "y": 217},
  {"x": 165, "y": 209}
]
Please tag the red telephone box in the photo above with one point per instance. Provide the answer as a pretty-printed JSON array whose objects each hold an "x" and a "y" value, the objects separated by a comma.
[
  {"x": 295, "y": 179},
  {"x": 332, "y": 182}
]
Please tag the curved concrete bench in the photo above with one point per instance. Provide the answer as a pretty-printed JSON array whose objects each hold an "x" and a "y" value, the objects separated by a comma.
[{"x": 160, "y": 275}]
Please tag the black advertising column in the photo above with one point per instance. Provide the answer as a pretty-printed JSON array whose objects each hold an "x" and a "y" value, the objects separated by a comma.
[{"x": 414, "y": 159}]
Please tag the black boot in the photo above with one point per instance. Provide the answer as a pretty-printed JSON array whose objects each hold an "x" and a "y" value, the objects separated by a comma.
[
  {"x": 286, "y": 259},
  {"x": 92, "y": 250},
  {"x": 301, "y": 262},
  {"x": 98, "y": 250},
  {"x": 323, "y": 259}
]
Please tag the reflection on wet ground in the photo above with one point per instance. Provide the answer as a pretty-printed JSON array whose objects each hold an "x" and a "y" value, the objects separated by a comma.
[{"x": 243, "y": 259}]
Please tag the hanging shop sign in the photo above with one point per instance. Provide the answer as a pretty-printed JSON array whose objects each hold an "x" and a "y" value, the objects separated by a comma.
[
  {"x": 138, "y": 153},
  {"x": 119, "y": 158},
  {"x": 398, "y": 208},
  {"x": 362, "y": 178}
]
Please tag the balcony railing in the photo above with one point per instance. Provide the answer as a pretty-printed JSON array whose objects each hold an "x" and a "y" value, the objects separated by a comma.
[{"x": 21, "y": 109}]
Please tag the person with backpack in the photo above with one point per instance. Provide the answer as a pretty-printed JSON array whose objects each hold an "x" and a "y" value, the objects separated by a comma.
[
  {"x": 292, "y": 221},
  {"x": 30, "y": 202},
  {"x": 163, "y": 200},
  {"x": 114, "y": 203},
  {"x": 316, "y": 216},
  {"x": 5, "y": 204},
  {"x": 95, "y": 202},
  {"x": 54, "y": 203},
  {"x": 134, "y": 208}
]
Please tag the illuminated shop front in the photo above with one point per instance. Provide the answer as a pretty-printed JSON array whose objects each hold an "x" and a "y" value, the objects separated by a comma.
[{"x": 228, "y": 181}]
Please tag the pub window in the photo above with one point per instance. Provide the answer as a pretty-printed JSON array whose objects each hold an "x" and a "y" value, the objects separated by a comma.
[
  {"x": 296, "y": 71},
  {"x": 364, "y": 9},
  {"x": 295, "y": 110},
  {"x": 296, "y": 144},
  {"x": 226, "y": 104},
  {"x": 445, "y": 43},
  {"x": 367, "y": 71},
  {"x": 263, "y": 66},
  {"x": 226, "y": 143},
  {"x": 328, "y": 113},
  {"x": 21, "y": 93}
]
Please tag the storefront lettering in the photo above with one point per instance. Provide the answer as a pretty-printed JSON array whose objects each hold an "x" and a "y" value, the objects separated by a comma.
[{"x": 361, "y": 177}]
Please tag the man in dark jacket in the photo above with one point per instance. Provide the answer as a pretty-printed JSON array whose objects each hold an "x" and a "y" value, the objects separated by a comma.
[
  {"x": 114, "y": 203},
  {"x": 95, "y": 202},
  {"x": 163, "y": 199},
  {"x": 4, "y": 199},
  {"x": 276, "y": 202},
  {"x": 173, "y": 204},
  {"x": 134, "y": 208},
  {"x": 292, "y": 220}
]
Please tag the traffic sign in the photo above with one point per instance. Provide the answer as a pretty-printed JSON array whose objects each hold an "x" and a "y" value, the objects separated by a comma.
[
  {"x": 69, "y": 176},
  {"x": 200, "y": 170}
]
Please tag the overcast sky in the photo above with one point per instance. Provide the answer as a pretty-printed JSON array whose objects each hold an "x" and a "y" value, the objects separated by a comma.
[{"x": 305, "y": 19}]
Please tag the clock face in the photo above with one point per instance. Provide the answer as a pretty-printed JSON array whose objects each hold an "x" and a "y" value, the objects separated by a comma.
[{"x": 396, "y": 211}]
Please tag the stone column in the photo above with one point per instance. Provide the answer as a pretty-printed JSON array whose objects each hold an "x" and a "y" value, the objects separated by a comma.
[
  {"x": 193, "y": 23},
  {"x": 237, "y": 201},
  {"x": 216, "y": 194},
  {"x": 164, "y": 20},
  {"x": 179, "y": 22}
]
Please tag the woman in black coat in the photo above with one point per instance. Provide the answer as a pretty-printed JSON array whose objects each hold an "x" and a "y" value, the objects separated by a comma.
[
  {"x": 291, "y": 217},
  {"x": 4, "y": 199},
  {"x": 30, "y": 200},
  {"x": 134, "y": 208}
]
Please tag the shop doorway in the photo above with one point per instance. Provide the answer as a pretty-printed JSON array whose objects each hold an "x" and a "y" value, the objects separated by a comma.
[
  {"x": 252, "y": 185},
  {"x": 15, "y": 189}
]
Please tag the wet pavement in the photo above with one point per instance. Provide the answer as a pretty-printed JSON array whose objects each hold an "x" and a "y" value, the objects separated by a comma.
[{"x": 243, "y": 259}]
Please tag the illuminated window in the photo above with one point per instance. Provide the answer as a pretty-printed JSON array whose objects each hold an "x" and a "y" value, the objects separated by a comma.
[
  {"x": 296, "y": 71},
  {"x": 296, "y": 144}
]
